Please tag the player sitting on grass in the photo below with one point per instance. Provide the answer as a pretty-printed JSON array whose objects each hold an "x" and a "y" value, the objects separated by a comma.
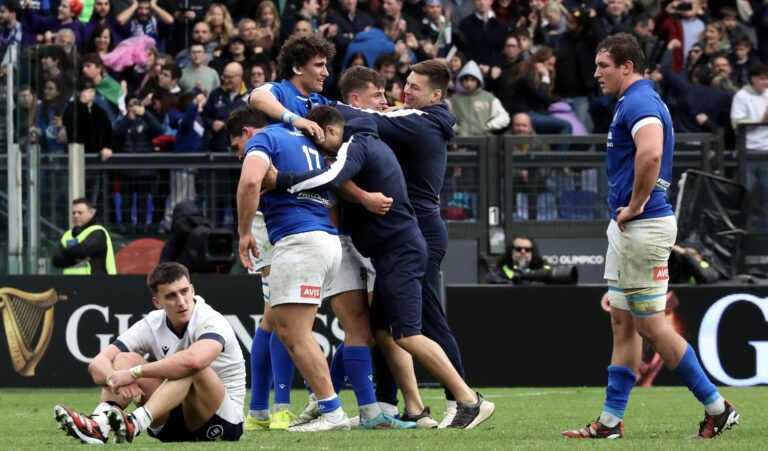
[{"x": 194, "y": 388}]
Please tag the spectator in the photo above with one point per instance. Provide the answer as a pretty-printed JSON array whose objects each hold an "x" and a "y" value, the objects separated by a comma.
[
  {"x": 742, "y": 59},
  {"x": 248, "y": 31},
  {"x": 532, "y": 88},
  {"x": 529, "y": 183},
  {"x": 186, "y": 14},
  {"x": 48, "y": 130},
  {"x": 616, "y": 17},
  {"x": 109, "y": 92},
  {"x": 715, "y": 39},
  {"x": 642, "y": 29},
  {"x": 386, "y": 65},
  {"x": 555, "y": 22},
  {"x": 303, "y": 27},
  {"x": 102, "y": 15},
  {"x": 574, "y": 75},
  {"x": 86, "y": 248},
  {"x": 736, "y": 29},
  {"x": 750, "y": 104},
  {"x": 350, "y": 21},
  {"x": 40, "y": 29},
  {"x": 55, "y": 63},
  {"x": 520, "y": 257},
  {"x": 86, "y": 123},
  {"x": 404, "y": 22},
  {"x": 393, "y": 90},
  {"x": 221, "y": 102},
  {"x": 198, "y": 75},
  {"x": 482, "y": 36},
  {"x": 305, "y": 10},
  {"x": 146, "y": 17},
  {"x": 101, "y": 42},
  {"x": 133, "y": 133},
  {"x": 458, "y": 10},
  {"x": 357, "y": 59},
  {"x": 220, "y": 22},
  {"x": 680, "y": 21},
  {"x": 379, "y": 40},
  {"x": 760, "y": 22},
  {"x": 700, "y": 108},
  {"x": 169, "y": 77},
  {"x": 723, "y": 74},
  {"x": 201, "y": 34},
  {"x": 269, "y": 30},
  {"x": 10, "y": 31},
  {"x": 234, "y": 52},
  {"x": 477, "y": 110},
  {"x": 511, "y": 13},
  {"x": 24, "y": 115},
  {"x": 258, "y": 75}
]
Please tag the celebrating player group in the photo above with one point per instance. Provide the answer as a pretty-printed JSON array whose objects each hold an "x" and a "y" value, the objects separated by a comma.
[{"x": 340, "y": 200}]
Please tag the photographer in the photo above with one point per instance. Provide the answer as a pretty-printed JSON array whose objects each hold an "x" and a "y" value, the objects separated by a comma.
[
  {"x": 687, "y": 265},
  {"x": 522, "y": 264}
]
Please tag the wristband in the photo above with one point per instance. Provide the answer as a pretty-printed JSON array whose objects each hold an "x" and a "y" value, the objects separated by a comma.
[
  {"x": 135, "y": 372},
  {"x": 288, "y": 117}
]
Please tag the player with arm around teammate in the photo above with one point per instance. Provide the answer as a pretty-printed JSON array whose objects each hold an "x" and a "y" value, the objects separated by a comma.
[
  {"x": 640, "y": 239},
  {"x": 194, "y": 388}
]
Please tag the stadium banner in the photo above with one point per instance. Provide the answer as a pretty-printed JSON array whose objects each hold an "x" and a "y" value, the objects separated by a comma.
[{"x": 510, "y": 336}]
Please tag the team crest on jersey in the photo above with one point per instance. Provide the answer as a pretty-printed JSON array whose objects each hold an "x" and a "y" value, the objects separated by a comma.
[
  {"x": 309, "y": 291},
  {"x": 661, "y": 273}
]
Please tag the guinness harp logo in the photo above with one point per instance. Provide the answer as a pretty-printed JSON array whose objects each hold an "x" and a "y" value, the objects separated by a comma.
[{"x": 28, "y": 321}]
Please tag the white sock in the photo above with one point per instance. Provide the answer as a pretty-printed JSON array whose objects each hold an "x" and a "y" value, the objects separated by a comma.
[
  {"x": 609, "y": 419},
  {"x": 100, "y": 416},
  {"x": 335, "y": 416},
  {"x": 717, "y": 407},
  {"x": 369, "y": 411},
  {"x": 282, "y": 406},
  {"x": 389, "y": 409},
  {"x": 259, "y": 414},
  {"x": 451, "y": 405},
  {"x": 143, "y": 419}
]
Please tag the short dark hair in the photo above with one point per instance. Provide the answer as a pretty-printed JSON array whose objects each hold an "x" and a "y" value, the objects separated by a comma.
[
  {"x": 167, "y": 272},
  {"x": 298, "y": 50},
  {"x": 326, "y": 115},
  {"x": 383, "y": 22},
  {"x": 437, "y": 72},
  {"x": 83, "y": 200},
  {"x": 623, "y": 47},
  {"x": 245, "y": 117},
  {"x": 92, "y": 58},
  {"x": 742, "y": 41},
  {"x": 84, "y": 83},
  {"x": 14, "y": 6},
  {"x": 357, "y": 78},
  {"x": 174, "y": 69},
  {"x": 758, "y": 70}
]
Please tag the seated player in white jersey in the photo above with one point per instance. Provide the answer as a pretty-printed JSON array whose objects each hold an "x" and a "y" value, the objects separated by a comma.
[{"x": 192, "y": 390}]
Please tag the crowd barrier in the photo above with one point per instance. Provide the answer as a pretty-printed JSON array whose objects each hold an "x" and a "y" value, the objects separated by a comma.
[{"x": 509, "y": 336}]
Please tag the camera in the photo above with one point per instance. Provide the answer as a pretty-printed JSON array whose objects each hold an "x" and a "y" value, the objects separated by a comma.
[{"x": 561, "y": 275}]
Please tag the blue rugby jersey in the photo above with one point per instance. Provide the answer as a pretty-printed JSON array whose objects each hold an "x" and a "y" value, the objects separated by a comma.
[
  {"x": 287, "y": 94},
  {"x": 419, "y": 139},
  {"x": 372, "y": 165},
  {"x": 639, "y": 105},
  {"x": 285, "y": 213}
]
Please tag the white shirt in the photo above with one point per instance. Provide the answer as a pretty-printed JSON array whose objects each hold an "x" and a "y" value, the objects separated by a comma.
[
  {"x": 153, "y": 335},
  {"x": 749, "y": 106}
]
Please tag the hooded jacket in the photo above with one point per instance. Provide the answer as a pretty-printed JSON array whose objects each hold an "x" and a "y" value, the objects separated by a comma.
[
  {"x": 370, "y": 43},
  {"x": 477, "y": 112}
]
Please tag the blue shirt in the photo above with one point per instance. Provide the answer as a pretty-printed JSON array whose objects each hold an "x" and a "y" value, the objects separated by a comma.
[
  {"x": 294, "y": 101},
  {"x": 639, "y": 105},
  {"x": 285, "y": 213}
]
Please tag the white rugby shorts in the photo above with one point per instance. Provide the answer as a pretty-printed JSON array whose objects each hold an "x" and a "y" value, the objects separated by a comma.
[{"x": 355, "y": 273}]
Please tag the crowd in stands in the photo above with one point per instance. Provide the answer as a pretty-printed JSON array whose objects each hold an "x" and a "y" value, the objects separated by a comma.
[{"x": 166, "y": 73}]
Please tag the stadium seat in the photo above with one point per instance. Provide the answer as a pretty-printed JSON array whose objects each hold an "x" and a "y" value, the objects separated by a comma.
[{"x": 577, "y": 204}]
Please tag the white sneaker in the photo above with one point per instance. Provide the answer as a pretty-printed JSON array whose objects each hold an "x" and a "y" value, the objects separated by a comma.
[
  {"x": 450, "y": 414},
  {"x": 354, "y": 422},
  {"x": 322, "y": 424},
  {"x": 310, "y": 412}
]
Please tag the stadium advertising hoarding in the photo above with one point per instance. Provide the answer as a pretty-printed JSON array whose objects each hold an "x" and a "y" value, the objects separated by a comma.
[{"x": 510, "y": 336}]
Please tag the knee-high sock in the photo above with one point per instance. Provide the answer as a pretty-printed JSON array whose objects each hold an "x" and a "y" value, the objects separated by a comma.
[
  {"x": 338, "y": 375},
  {"x": 261, "y": 370},
  {"x": 282, "y": 370},
  {"x": 690, "y": 373},
  {"x": 620, "y": 382},
  {"x": 357, "y": 362}
]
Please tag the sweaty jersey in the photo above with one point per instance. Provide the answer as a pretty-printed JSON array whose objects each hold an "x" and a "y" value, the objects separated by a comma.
[
  {"x": 639, "y": 106},
  {"x": 153, "y": 335},
  {"x": 286, "y": 93},
  {"x": 290, "y": 213}
]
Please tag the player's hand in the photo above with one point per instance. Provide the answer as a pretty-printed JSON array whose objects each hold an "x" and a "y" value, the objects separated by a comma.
[
  {"x": 377, "y": 203},
  {"x": 674, "y": 44},
  {"x": 118, "y": 379},
  {"x": 269, "y": 182},
  {"x": 248, "y": 243},
  {"x": 626, "y": 214},
  {"x": 311, "y": 128},
  {"x": 131, "y": 392}
]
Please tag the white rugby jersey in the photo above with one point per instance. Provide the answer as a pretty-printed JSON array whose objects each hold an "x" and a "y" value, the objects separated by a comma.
[{"x": 154, "y": 335}]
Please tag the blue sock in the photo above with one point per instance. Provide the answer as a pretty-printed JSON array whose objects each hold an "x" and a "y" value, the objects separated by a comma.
[
  {"x": 620, "y": 382},
  {"x": 261, "y": 370},
  {"x": 328, "y": 405},
  {"x": 357, "y": 362},
  {"x": 338, "y": 376},
  {"x": 690, "y": 373},
  {"x": 282, "y": 370}
]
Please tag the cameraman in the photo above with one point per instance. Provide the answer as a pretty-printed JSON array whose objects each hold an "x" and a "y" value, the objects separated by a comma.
[{"x": 521, "y": 256}]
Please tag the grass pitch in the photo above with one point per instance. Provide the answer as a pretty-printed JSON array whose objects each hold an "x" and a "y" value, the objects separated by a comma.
[{"x": 526, "y": 418}]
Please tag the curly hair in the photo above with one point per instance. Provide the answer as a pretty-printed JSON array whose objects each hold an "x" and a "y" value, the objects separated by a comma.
[{"x": 298, "y": 50}]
